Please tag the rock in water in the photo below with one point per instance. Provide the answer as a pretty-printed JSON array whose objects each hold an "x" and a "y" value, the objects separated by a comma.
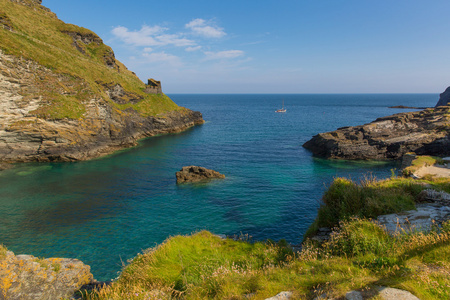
[
  {"x": 425, "y": 132},
  {"x": 444, "y": 98},
  {"x": 195, "y": 174}
]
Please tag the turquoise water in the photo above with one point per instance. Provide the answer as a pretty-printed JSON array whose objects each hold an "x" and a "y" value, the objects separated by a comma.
[{"x": 107, "y": 210}]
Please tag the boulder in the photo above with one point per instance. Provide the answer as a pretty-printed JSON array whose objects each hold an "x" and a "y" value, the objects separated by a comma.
[
  {"x": 195, "y": 174},
  {"x": 29, "y": 277},
  {"x": 425, "y": 132},
  {"x": 444, "y": 98}
]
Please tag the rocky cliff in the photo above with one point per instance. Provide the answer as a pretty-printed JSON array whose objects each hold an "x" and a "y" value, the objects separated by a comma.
[
  {"x": 425, "y": 132},
  {"x": 64, "y": 96},
  {"x": 444, "y": 98}
]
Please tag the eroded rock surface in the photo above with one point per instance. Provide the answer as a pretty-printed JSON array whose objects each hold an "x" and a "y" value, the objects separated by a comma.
[
  {"x": 195, "y": 174},
  {"x": 28, "y": 277},
  {"x": 28, "y": 134},
  {"x": 433, "y": 210},
  {"x": 425, "y": 132}
]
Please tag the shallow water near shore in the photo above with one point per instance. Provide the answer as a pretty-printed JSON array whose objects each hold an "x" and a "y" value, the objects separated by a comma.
[{"x": 107, "y": 210}]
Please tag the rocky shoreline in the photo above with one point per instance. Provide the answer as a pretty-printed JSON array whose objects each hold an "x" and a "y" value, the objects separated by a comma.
[{"x": 425, "y": 132}]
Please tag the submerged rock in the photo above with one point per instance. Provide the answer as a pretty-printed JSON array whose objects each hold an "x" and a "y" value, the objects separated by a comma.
[
  {"x": 424, "y": 132},
  {"x": 28, "y": 277},
  {"x": 196, "y": 174}
]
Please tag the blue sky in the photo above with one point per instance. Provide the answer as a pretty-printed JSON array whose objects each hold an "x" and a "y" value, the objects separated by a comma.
[{"x": 284, "y": 46}]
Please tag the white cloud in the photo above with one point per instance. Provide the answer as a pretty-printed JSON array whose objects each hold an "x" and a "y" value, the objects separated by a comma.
[
  {"x": 192, "y": 49},
  {"x": 228, "y": 54},
  {"x": 202, "y": 28},
  {"x": 150, "y": 36},
  {"x": 162, "y": 57},
  {"x": 148, "y": 49}
]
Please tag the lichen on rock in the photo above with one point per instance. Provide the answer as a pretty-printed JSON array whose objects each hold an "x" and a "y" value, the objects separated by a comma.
[{"x": 29, "y": 277}]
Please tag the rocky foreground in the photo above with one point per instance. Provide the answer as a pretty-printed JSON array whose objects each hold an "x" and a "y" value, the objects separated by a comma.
[
  {"x": 28, "y": 277},
  {"x": 425, "y": 132}
]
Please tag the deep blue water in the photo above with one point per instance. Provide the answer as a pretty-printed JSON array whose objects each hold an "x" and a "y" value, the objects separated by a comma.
[{"x": 107, "y": 210}]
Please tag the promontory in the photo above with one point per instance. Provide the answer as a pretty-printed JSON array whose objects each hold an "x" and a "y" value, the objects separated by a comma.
[
  {"x": 64, "y": 96},
  {"x": 425, "y": 132}
]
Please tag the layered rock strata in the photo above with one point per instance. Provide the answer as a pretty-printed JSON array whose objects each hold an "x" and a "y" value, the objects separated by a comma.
[
  {"x": 27, "y": 134},
  {"x": 54, "y": 105},
  {"x": 425, "y": 132}
]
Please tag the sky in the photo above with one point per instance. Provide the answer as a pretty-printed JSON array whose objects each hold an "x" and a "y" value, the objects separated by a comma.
[{"x": 283, "y": 46}]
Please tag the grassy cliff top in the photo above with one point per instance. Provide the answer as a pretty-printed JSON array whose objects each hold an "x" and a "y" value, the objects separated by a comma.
[{"x": 30, "y": 31}]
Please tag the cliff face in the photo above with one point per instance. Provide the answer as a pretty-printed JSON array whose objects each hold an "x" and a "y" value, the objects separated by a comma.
[
  {"x": 424, "y": 132},
  {"x": 444, "y": 98},
  {"x": 64, "y": 96}
]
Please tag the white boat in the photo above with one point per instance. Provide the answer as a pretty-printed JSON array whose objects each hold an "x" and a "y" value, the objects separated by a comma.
[{"x": 281, "y": 110}]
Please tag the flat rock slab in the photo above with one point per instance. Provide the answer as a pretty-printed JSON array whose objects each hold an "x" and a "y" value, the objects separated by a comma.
[
  {"x": 391, "y": 293},
  {"x": 191, "y": 174},
  {"x": 421, "y": 219},
  {"x": 381, "y": 292},
  {"x": 438, "y": 171}
]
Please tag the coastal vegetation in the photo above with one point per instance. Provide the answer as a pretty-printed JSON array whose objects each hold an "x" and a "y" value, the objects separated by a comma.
[
  {"x": 78, "y": 54},
  {"x": 360, "y": 255}
]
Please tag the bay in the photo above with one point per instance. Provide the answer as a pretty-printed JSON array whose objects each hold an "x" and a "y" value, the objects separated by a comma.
[{"x": 107, "y": 210}]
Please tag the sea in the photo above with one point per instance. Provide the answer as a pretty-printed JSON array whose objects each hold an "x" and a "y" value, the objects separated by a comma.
[{"x": 106, "y": 211}]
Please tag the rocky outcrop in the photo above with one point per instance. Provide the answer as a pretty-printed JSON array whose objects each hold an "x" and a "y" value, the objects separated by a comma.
[
  {"x": 195, "y": 174},
  {"x": 444, "y": 98},
  {"x": 28, "y": 277},
  {"x": 424, "y": 132},
  {"x": 31, "y": 131},
  {"x": 432, "y": 210},
  {"x": 55, "y": 111}
]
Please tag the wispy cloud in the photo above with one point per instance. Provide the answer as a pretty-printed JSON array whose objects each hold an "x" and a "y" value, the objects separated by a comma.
[
  {"x": 162, "y": 57},
  {"x": 151, "y": 36},
  {"x": 228, "y": 54},
  {"x": 206, "y": 29},
  {"x": 192, "y": 49}
]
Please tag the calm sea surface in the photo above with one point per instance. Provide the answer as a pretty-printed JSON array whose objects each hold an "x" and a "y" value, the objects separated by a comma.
[{"x": 107, "y": 210}]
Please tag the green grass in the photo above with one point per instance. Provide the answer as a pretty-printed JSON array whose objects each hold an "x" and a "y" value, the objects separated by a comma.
[
  {"x": 360, "y": 255},
  {"x": 2, "y": 251},
  {"x": 39, "y": 36}
]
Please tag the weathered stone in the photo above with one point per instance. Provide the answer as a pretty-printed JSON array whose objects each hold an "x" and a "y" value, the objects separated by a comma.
[
  {"x": 281, "y": 296},
  {"x": 424, "y": 132},
  {"x": 28, "y": 277},
  {"x": 387, "y": 293},
  {"x": 322, "y": 235},
  {"x": 423, "y": 219},
  {"x": 353, "y": 295},
  {"x": 195, "y": 174},
  {"x": 26, "y": 136},
  {"x": 444, "y": 98}
]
